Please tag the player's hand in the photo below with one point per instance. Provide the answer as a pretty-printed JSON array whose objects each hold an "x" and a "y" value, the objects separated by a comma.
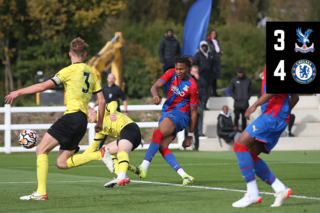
[
  {"x": 98, "y": 127},
  {"x": 125, "y": 113},
  {"x": 249, "y": 111},
  {"x": 187, "y": 142},
  {"x": 156, "y": 100},
  {"x": 9, "y": 98},
  {"x": 113, "y": 117}
]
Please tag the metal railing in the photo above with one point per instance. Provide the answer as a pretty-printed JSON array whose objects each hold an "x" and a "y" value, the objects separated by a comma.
[{"x": 8, "y": 126}]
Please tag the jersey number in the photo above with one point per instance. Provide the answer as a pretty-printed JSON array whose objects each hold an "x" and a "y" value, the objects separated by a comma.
[{"x": 87, "y": 82}]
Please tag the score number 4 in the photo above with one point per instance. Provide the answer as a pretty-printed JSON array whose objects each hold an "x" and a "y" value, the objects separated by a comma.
[{"x": 279, "y": 72}]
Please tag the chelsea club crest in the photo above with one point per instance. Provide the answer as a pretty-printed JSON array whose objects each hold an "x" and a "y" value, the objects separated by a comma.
[
  {"x": 303, "y": 38},
  {"x": 304, "y": 71}
]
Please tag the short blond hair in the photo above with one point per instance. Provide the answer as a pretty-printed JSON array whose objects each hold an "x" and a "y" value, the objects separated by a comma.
[{"x": 78, "y": 47}]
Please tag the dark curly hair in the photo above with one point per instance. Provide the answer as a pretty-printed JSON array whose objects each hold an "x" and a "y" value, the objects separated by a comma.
[{"x": 184, "y": 59}]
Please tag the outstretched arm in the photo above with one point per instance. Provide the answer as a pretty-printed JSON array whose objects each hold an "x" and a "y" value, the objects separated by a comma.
[
  {"x": 154, "y": 92},
  {"x": 102, "y": 105},
  {"x": 29, "y": 90}
]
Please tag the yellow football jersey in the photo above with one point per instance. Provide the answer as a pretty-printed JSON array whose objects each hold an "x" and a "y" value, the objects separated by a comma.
[
  {"x": 80, "y": 82},
  {"x": 113, "y": 128}
]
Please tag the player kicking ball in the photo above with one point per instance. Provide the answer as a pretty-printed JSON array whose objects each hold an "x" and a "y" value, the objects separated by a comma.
[
  {"x": 80, "y": 83},
  {"x": 261, "y": 136},
  {"x": 182, "y": 98},
  {"x": 116, "y": 124}
]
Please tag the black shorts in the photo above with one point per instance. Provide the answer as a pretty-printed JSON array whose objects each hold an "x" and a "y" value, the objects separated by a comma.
[
  {"x": 131, "y": 132},
  {"x": 69, "y": 130}
]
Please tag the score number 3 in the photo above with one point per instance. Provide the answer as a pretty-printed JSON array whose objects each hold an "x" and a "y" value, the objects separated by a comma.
[{"x": 279, "y": 72}]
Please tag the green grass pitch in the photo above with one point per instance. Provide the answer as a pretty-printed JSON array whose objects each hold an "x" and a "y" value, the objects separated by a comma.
[{"x": 218, "y": 183}]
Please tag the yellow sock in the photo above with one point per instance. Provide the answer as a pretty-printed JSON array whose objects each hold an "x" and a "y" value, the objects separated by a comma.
[
  {"x": 42, "y": 173},
  {"x": 115, "y": 163},
  {"x": 77, "y": 160},
  {"x": 93, "y": 147},
  {"x": 123, "y": 159}
]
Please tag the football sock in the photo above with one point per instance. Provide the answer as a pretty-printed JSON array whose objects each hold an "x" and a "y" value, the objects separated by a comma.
[
  {"x": 171, "y": 160},
  {"x": 115, "y": 163},
  {"x": 153, "y": 148},
  {"x": 93, "y": 147},
  {"x": 123, "y": 159},
  {"x": 181, "y": 172},
  {"x": 262, "y": 170},
  {"x": 77, "y": 160},
  {"x": 246, "y": 166},
  {"x": 42, "y": 173},
  {"x": 278, "y": 186}
]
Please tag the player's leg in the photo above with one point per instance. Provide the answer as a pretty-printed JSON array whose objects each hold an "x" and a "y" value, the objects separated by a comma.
[
  {"x": 171, "y": 160},
  {"x": 246, "y": 165},
  {"x": 43, "y": 149},
  {"x": 124, "y": 148},
  {"x": 165, "y": 129},
  {"x": 113, "y": 149}
]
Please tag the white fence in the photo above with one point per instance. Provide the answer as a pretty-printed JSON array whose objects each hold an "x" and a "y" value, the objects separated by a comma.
[{"x": 7, "y": 127}]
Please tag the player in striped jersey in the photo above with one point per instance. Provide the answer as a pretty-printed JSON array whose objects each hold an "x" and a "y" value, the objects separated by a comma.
[
  {"x": 261, "y": 136},
  {"x": 182, "y": 98}
]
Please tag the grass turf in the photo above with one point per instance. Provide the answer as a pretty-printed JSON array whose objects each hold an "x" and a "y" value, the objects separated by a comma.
[{"x": 81, "y": 189}]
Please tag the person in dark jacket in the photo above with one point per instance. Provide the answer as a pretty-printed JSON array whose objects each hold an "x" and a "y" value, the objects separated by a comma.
[
  {"x": 204, "y": 60},
  {"x": 240, "y": 89},
  {"x": 169, "y": 47},
  {"x": 214, "y": 48},
  {"x": 225, "y": 127}
]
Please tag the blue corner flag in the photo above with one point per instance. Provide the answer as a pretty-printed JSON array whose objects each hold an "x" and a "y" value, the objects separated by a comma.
[{"x": 196, "y": 26}]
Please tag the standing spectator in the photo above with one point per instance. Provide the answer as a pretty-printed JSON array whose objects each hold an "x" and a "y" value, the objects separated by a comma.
[
  {"x": 112, "y": 92},
  {"x": 240, "y": 89},
  {"x": 214, "y": 47},
  {"x": 169, "y": 47},
  {"x": 204, "y": 60}
]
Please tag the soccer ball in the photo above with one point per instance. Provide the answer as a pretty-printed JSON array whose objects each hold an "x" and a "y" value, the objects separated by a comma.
[{"x": 28, "y": 138}]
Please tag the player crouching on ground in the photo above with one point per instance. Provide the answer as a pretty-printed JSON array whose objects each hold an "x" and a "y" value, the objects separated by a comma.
[
  {"x": 116, "y": 124},
  {"x": 261, "y": 136},
  {"x": 182, "y": 98}
]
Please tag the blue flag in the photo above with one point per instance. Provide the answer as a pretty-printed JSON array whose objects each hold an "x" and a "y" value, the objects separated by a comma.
[{"x": 196, "y": 26}]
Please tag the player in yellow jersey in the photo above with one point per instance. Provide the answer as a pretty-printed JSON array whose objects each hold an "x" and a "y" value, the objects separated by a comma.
[
  {"x": 116, "y": 124},
  {"x": 80, "y": 83}
]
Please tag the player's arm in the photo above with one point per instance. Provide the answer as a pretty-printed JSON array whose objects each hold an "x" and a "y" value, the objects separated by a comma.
[
  {"x": 264, "y": 98},
  {"x": 154, "y": 91},
  {"x": 293, "y": 100},
  {"x": 192, "y": 123},
  {"x": 29, "y": 90},
  {"x": 102, "y": 104},
  {"x": 125, "y": 104},
  {"x": 112, "y": 108}
]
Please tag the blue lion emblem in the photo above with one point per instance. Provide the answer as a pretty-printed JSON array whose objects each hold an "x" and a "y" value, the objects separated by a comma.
[{"x": 304, "y": 71}]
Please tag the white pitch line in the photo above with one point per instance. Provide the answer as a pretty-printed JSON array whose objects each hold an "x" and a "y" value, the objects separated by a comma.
[
  {"x": 167, "y": 184},
  {"x": 185, "y": 164}
]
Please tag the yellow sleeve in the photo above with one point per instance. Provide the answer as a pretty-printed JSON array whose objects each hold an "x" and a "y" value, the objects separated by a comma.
[
  {"x": 96, "y": 87},
  {"x": 62, "y": 76},
  {"x": 98, "y": 138},
  {"x": 112, "y": 106}
]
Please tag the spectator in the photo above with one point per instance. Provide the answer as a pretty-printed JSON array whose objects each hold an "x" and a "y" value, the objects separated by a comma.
[
  {"x": 290, "y": 124},
  {"x": 169, "y": 47},
  {"x": 112, "y": 92},
  {"x": 240, "y": 89},
  {"x": 225, "y": 127},
  {"x": 204, "y": 60},
  {"x": 214, "y": 47},
  {"x": 195, "y": 74}
]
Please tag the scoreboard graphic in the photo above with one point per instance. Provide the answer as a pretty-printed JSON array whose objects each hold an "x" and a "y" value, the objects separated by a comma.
[{"x": 293, "y": 57}]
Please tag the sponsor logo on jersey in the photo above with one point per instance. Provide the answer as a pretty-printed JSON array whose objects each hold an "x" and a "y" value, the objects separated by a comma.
[
  {"x": 304, "y": 71},
  {"x": 304, "y": 39},
  {"x": 176, "y": 90}
]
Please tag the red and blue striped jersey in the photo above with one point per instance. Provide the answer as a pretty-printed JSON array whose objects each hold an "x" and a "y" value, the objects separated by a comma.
[
  {"x": 181, "y": 93},
  {"x": 277, "y": 106}
]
